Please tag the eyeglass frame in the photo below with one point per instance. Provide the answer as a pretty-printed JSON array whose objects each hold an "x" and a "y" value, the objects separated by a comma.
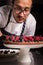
[{"x": 21, "y": 9}]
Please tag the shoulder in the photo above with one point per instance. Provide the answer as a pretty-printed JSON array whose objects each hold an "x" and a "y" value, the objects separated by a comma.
[
  {"x": 4, "y": 12},
  {"x": 4, "y": 9},
  {"x": 31, "y": 19}
]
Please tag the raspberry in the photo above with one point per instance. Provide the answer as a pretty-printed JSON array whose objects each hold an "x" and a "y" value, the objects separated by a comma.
[
  {"x": 17, "y": 38},
  {"x": 41, "y": 38},
  {"x": 25, "y": 38},
  {"x": 37, "y": 38},
  {"x": 7, "y": 37},
  {"x": 30, "y": 38},
  {"x": 12, "y": 38}
]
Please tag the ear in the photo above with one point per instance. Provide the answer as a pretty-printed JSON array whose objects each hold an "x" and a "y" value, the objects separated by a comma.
[{"x": 10, "y": 2}]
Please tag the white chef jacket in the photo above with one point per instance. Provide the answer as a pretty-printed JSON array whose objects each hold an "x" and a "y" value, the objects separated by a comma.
[{"x": 15, "y": 28}]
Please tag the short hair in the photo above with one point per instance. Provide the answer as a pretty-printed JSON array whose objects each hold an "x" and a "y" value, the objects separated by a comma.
[{"x": 15, "y": 0}]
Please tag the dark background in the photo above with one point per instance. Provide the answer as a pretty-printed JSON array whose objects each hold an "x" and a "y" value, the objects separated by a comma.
[{"x": 37, "y": 11}]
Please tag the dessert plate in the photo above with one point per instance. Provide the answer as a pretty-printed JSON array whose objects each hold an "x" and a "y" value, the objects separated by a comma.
[
  {"x": 24, "y": 44},
  {"x": 9, "y": 52}
]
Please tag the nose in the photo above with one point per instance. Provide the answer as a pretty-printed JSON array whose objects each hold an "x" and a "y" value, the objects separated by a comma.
[{"x": 22, "y": 13}]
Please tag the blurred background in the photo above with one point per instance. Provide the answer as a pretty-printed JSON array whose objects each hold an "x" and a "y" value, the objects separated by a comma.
[{"x": 37, "y": 11}]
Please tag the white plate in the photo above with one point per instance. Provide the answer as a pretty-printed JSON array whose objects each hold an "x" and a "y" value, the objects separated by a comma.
[
  {"x": 11, "y": 52},
  {"x": 23, "y": 46}
]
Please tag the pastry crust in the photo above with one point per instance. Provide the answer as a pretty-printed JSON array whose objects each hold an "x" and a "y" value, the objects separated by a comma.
[{"x": 24, "y": 43}]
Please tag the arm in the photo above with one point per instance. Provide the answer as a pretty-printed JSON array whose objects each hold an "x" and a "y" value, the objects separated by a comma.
[
  {"x": 1, "y": 23},
  {"x": 0, "y": 33},
  {"x": 31, "y": 26},
  {"x": 32, "y": 29}
]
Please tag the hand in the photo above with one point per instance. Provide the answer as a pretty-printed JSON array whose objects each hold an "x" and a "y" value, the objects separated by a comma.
[{"x": 0, "y": 33}]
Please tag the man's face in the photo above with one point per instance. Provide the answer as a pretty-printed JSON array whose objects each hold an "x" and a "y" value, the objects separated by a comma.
[{"x": 21, "y": 10}]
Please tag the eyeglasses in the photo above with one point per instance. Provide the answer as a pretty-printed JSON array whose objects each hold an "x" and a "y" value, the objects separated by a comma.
[{"x": 20, "y": 9}]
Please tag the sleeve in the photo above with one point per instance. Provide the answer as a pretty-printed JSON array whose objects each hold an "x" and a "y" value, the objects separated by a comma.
[
  {"x": 32, "y": 27},
  {"x": 1, "y": 20},
  {"x": 1, "y": 17}
]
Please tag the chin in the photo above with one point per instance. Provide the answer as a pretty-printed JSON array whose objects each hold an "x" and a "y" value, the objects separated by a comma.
[{"x": 20, "y": 21}]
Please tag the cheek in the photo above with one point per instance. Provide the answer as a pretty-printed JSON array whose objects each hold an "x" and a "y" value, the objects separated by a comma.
[
  {"x": 14, "y": 14},
  {"x": 26, "y": 15}
]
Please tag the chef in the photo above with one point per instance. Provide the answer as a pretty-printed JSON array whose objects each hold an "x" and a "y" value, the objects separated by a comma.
[{"x": 17, "y": 19}]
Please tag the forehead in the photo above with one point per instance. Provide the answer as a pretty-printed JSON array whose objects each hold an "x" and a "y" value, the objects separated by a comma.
[{"x": 23, "y": 2}]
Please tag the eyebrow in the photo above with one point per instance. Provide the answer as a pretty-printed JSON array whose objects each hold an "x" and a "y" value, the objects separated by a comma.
[
  {"x": 18, "y": 5},
  {"x": 21, "y": 7}
]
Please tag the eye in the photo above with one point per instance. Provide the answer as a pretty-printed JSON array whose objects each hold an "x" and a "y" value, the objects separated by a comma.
[
  {"x": 27, "y": 9},
  {"x": 19, "y": 8}
]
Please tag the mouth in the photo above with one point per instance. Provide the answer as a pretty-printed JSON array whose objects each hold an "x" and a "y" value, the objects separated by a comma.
[{"x": 20, "y": 18}]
